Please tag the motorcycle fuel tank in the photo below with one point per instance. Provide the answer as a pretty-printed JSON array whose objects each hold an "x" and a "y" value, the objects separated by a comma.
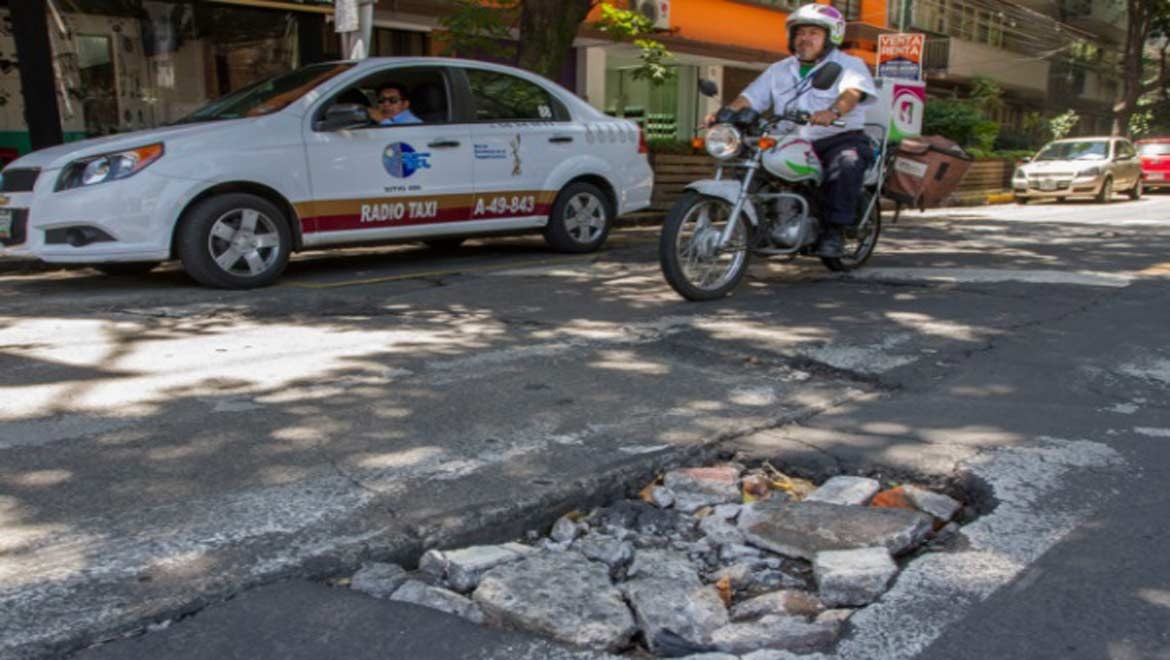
[{"x": 794, "y": 160}]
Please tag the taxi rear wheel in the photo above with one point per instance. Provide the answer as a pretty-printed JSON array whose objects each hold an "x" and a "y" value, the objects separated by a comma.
[
  {"x": 580, "y": 219},
  {"x": 234, "y": 241}
]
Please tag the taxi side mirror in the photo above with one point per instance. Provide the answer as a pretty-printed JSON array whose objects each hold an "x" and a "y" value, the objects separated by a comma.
[{"x": 343, "y": 115}]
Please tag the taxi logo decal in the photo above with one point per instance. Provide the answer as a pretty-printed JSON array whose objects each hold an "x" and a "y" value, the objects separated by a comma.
[{"x": 401, "y": 160}]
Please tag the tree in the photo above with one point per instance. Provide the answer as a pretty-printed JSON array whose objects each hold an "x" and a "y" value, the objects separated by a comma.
[
  {"x": 546, "y": 29},
  {"x": 1142, "y": 75}
]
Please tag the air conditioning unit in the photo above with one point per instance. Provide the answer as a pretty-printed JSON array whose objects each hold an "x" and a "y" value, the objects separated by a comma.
[{"x": 657, "y": 11}]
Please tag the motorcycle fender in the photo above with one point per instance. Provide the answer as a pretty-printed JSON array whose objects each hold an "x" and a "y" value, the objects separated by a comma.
[{"x": 728, "y": 191}]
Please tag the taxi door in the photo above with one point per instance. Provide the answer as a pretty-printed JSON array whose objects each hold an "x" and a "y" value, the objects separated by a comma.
[
  {"x": 378, "y": 183},
  {"x": 521, "y": 133}
]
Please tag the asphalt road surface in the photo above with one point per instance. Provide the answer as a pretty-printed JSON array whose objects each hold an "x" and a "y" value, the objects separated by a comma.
[{"x": 164, "y": 447}]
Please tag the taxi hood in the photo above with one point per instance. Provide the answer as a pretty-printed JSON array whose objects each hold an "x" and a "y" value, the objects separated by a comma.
[{"x": 52, "y": 158}]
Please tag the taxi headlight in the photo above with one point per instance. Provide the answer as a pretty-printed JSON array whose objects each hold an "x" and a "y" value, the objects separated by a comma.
[
  {"x": 108, "y": 167},
  {"x": 723, "y": 141},
  {"x": 1092, "y": 171}
]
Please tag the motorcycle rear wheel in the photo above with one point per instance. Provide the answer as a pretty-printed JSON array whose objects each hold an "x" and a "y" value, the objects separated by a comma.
[
  {"x": 860, "y": 242},
  {"x": 688, "y": 250}
]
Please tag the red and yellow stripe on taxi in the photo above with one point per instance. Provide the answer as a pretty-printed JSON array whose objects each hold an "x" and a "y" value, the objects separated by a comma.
[{"x": 400, "y": 211}]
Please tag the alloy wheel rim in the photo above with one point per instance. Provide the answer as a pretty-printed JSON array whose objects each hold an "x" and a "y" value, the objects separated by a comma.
[
  {"x": 244, "y": 242},
  {"x": 584, "y": 217}
]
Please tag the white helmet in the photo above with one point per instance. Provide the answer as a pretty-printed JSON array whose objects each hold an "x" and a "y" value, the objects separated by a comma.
[{"x": 822, "y": 16}]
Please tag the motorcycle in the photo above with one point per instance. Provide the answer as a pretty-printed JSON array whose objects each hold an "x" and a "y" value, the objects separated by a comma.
[{"x": 763, "y": 202}]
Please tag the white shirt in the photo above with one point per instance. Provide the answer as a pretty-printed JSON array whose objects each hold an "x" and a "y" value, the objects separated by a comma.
[{"x": 780, "y": 83}]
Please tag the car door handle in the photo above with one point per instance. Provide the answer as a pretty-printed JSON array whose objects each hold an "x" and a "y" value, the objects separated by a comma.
[
  {"x": 443, "y": 144},
  {"x": 560, "y": 139}
]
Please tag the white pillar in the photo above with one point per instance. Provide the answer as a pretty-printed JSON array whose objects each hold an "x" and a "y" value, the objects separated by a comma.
[{"x": 591, "y": 75}]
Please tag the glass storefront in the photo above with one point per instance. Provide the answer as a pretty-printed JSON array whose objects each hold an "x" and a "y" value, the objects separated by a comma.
[{"x": 124, "y": 65}]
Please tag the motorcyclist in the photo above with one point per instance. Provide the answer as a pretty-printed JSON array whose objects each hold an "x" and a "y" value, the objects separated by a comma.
[{"x": 814, "y": 34}]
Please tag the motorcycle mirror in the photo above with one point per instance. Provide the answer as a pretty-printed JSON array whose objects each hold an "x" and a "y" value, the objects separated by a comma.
[
  {"x": 708, "y": 87},
  {"x": 826, "y": 76}
]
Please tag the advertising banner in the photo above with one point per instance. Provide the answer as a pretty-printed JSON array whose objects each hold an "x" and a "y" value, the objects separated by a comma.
[{"x": 900, "y": 56}]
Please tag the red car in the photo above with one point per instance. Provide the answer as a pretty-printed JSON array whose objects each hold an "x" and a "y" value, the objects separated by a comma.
[{"x": 1155, "y": 155}]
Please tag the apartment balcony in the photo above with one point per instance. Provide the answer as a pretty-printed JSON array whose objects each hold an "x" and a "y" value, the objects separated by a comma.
[
  {"x": 1104, "y": 18},
  {"x": 949, "y": 58}
]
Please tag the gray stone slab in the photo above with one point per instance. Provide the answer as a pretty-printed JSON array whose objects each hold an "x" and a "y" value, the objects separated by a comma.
[
  {"x": 695, "y": 488},
  {"x": 938, "y": 505},
  {"x": 665, "y": 564},
  {"x": 802, "y": 529},
  {"x": 686, "y": 608},
  {"x": 562, "y": 595},
  {"x": 774, "y": 632},
  {"x": 378, "y": 579},
  {"x": 437, "y": 598},
  {"x": 857, "y": 491},
  {"x": 463, "y": 567},
  {"x": 786, "y": 602},
  {"x": 608, "y": 550},
  {"x": 720, "y": 531},
  {"x": 853, "y": 577}
]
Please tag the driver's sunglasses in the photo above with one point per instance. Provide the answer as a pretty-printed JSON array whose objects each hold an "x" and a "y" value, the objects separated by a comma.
[{"x": 389, "y": 99}]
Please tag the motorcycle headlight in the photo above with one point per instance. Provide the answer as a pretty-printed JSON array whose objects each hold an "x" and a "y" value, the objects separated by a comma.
[
  {"x": 723, "y": 141},
  {"x": 1092, "y": 171},
  {"x": 108, "y": 167}
]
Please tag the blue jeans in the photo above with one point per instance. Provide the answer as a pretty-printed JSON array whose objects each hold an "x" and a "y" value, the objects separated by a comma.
[{"x": 845, "y": 158}]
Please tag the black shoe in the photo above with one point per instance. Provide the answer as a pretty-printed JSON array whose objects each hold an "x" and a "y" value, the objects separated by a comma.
[{"x": 830, "y": 244}]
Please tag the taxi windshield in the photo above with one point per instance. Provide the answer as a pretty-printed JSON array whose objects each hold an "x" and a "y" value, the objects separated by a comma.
[
  {"x": 267, "y": 96},
  {"x": 1087, "y": 150}
]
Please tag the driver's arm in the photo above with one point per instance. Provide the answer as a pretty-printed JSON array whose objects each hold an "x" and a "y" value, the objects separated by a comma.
[{"x": 846, "y": 101}]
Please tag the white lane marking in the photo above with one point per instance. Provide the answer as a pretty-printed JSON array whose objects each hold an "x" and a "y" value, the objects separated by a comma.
[
  {"x": 990, "y": 276},
  {"x": 1152, "y": 432}
]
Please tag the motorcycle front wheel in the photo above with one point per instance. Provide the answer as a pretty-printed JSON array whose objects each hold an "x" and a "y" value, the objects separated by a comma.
[
  {"x": 692, "y": 261},
  {"x": 860, "y": 240}
]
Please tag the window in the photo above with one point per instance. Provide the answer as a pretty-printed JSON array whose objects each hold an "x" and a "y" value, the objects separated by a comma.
[
  {"x": 850, "y": 9},
  {"x": 1155, "y": 149},
  {"x": 503, "y": 97},
  {"x": 423, "y": 91},
  {"x": 400, "y": 43}
]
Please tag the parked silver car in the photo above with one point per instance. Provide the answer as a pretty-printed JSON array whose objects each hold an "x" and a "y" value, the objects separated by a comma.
[{"x": 1083, "y": 166}]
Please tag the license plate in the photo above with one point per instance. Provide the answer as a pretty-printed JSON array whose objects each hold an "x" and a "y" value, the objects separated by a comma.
[
  {"x": 1155, "y": 176},
  {"x": 1048, "y": 185},
  {"x": 5, "y": 223}
]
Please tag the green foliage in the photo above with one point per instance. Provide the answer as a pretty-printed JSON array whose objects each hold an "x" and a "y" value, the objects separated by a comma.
[
  {"x": 1062, "y": 124},
  {"x": 474, "y": 27},
  {"x": 954, "y": 119},
  {"x": 986, "y": 94},
  {"x": 623, "y": 24},
  {"x": 630, "y": 25}
]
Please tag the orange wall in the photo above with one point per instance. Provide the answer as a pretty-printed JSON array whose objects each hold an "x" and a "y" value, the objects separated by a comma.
[{"x": 741, "y": 24}]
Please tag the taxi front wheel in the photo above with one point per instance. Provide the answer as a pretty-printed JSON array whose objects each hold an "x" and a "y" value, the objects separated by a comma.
[
  {"x": 580, "y": 219},
  {"x": 234, "y": 241}
]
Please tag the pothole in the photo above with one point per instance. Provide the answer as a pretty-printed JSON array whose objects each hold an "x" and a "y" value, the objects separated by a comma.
[{"x": 728, "y": 558}]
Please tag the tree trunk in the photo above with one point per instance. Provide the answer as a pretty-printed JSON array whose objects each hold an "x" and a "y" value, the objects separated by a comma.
[{"x": 547, "y": 30}]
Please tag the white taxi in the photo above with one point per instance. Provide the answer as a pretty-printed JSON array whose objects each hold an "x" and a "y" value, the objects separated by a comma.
[{"x": 296, "y": 162}]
